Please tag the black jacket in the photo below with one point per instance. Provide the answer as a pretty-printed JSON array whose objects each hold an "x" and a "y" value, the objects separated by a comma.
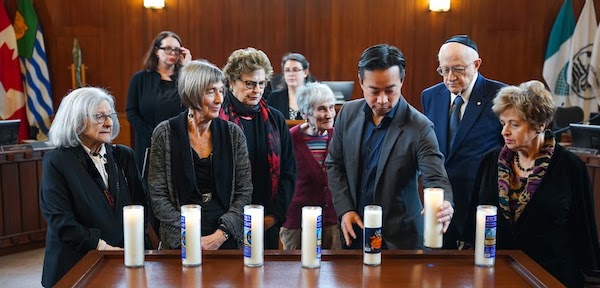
[
  {"x": 557, "y": 228},
  {"x": 76, "y": 209}
]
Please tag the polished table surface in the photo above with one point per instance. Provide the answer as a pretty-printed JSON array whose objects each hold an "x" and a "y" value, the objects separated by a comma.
[{"x": 400, "y": 268}]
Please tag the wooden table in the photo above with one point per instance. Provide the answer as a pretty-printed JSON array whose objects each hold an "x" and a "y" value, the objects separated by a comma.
[{"x": 440, "y": 268}]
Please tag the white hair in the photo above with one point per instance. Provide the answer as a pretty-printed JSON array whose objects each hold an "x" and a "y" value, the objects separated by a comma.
[
  {"x": 313, "y": 93},
  {"x": 74, "y": 112}
]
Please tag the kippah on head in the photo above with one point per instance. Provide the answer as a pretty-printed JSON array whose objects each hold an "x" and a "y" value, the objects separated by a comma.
[{"x": 463, "y": 39}]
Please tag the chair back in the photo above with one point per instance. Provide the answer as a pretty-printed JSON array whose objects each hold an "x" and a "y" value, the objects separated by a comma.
[{"x": 565, "y": 116}]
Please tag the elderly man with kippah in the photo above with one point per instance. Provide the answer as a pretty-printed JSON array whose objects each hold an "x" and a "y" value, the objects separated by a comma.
[{"x": 465, "y": 126}]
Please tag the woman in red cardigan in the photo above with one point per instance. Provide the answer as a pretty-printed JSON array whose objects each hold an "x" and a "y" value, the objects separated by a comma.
[{"x": 316, "y": 103}]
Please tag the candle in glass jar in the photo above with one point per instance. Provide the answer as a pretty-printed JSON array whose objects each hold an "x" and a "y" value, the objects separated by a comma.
[
  {"x": 434, "y": 199},
  {"x": 485, "y": 235},
  {"x": 191, "y": 244},
  {"x": 254, "y": 216},
  {"x": 311, "y": 236},
  {"x": 133, "y": 234},
  {"x": 372, "y": 235}
]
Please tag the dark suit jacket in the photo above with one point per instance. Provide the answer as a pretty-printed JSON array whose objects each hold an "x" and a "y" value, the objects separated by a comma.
[
  {"x": 479, "y": 132},
  {"x": 557, "y": 228},
  {"x": 76, "y": 209},
  {"x": 409, "y": 150}
]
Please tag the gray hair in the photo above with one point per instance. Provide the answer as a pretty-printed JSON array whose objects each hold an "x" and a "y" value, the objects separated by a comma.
[
  {"x": 194, "y": 79},
  {"x": 75, "y": 111},
  {"x": 531, "y": 100},
  {"x": 311, "y": 94}
]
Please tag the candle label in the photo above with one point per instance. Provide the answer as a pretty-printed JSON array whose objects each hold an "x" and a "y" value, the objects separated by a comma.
[
  {"x": 373, "y": 240},
  {"x": 489, "y": 248},
  {"x": 183, "y": 242},
  {"x": 319, "y": 235},
  {"x": 247, "y": 236}
]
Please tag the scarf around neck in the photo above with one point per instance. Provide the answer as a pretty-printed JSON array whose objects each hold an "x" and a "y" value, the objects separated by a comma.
[
  {"x": 233, "y": 110},
  {"x": 505, "y": 171}
]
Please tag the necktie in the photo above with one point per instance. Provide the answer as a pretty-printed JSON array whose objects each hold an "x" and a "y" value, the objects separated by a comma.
[{"x": 454, "y": 120}]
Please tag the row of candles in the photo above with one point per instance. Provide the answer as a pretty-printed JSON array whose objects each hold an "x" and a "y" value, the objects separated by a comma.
[{"x": 191, "y": 251}]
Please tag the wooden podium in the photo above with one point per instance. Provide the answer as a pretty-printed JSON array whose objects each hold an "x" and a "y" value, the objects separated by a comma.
[{"x": 339, "y": 268}]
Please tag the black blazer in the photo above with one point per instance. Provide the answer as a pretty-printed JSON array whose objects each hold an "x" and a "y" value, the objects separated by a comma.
[
  {"x": 557, "y": 228},
  {"x": 76, "y": 209}
]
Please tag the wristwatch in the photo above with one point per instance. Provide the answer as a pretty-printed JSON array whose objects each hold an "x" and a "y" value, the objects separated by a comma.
[{"x": 224, "y": 232}]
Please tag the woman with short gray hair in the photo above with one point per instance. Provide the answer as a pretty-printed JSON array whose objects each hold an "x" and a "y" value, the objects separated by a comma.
[
  {"x": 316, "y": 103},
  {"x": 197, "y": 158},
  {"x": 86, "y": 182}
]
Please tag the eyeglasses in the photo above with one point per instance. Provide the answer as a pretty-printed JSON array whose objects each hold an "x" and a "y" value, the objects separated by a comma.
[
  {"x": 252, "y": 84},
  {"x": 459, "y": 70},
  {"x": 294, "y": 71},
  {"x": 171, "y": 50},
  {"x": 101, "y": 117}
]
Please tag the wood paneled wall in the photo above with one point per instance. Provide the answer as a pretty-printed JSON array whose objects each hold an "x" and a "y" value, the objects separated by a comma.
[{"x": 114, "y": 35}]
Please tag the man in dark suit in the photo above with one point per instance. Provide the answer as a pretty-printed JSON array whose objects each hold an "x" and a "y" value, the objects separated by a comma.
[
  {"x": 465, "y": 126},
  {"x": 380, "y": 147}
]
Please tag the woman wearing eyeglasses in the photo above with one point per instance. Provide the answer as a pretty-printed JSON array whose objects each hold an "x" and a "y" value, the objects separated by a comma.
[
  {"x": 152, "y": 95},
  {"x": 269, "y": 143},
  {"x": 85, "y": 182},
  {"x": 296, "y": 74}
]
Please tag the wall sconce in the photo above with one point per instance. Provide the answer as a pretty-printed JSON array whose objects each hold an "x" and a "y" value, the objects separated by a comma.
[
  {"x": 439, "y": 5},
  {"x": 154, "y": 4}
]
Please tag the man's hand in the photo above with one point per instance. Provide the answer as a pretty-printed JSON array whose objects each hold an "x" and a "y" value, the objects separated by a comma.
[
  {"x": 445, "y": 215},
  {"x": 348, "y": 219}
]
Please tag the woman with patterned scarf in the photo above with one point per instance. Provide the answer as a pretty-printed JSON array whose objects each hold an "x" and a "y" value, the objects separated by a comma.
[
  {"x": 269, "y": 143},
  {"x": 542, "y": 191}
]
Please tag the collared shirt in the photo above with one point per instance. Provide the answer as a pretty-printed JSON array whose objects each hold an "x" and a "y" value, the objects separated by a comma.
[
  {"x": 370, "y": 149},
  {"x": 99, "y": 160},
  {"x": 465, "y": 95}
]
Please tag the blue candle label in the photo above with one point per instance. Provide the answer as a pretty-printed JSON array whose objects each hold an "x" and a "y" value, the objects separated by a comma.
[
  {"x": 247, "y": 236},
  {"x": 373, "y": 240},
  {"x": 183, "y": 242},
  {"x": 319, "y": 235},
  {"x": 489, "y": 246}
]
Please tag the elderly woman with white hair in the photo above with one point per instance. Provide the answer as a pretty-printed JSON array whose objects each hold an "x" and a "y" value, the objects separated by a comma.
[
  {"x": 85, "y": 182},
  {"x": 316, "y": 103}
]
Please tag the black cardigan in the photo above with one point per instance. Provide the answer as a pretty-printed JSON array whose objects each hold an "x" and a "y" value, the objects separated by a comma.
[
  {"x": 280, "y": 101},
  {"x": 557, "y": 228},
  {"x": 143, "y": 90}
]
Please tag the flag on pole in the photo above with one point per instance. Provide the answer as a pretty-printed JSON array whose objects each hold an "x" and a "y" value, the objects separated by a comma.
[
  {"x": 12, "y": 99},
  {"x": 34, "y": 69},
  {"x": 594, "y": 73},
  {"x": 581, "y": 52},
  {"x": 557, "y": 54}
]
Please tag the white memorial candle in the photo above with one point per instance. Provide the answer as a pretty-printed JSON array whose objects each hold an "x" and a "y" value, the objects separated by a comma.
[
  {"x": 191, "y": 244},
  {"x": 254, "y": 216},
  {"x": 133, "y": 234},
  {"x": 485, "y": 235},
  {"x": 311, "y": 236},
  {"x": 372, "y": 235},
  {"x": 433, "y": 198}
]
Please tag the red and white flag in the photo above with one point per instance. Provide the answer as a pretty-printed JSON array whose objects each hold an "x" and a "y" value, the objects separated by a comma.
[{"x": 12, "y": 98}]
